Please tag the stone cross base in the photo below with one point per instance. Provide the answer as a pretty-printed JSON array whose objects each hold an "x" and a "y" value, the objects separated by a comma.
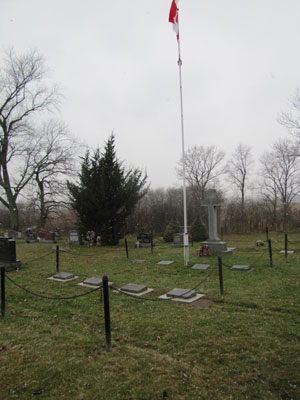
[{"x": 217, "y": 248}]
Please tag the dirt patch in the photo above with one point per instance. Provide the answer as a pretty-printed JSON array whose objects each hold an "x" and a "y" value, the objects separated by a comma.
[{"x": 202, "y": 303}]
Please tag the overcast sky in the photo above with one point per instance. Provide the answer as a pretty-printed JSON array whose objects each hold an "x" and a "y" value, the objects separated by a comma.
[{"x": 116, "y": 63}]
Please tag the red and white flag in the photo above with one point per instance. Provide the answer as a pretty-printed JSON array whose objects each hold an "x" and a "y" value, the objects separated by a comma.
[{"x": 173, "y": 17}]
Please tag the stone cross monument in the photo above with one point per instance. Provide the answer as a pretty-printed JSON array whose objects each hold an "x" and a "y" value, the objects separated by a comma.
[
  {"x": 214, "y": 243},
  {"x": 211, "y": 202}
]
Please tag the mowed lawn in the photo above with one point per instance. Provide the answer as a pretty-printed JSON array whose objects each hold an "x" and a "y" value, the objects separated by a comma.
[{"x": 242, "y": 345}]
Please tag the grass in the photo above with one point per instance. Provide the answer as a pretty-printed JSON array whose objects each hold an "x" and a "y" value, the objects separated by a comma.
[{"x": 244, "y": 346}]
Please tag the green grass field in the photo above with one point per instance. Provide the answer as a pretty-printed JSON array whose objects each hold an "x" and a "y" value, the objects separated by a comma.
[{"x": 242, "y": 345}]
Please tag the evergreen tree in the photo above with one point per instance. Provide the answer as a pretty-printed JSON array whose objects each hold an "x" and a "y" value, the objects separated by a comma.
[
  {"x": 198, "y": 230},
  {"x": 106, "y": 194},
  {"x": 172, "y": 228}
]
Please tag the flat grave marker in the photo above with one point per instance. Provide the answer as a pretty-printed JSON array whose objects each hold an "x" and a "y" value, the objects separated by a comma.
[
  {"x": 135, "y": 289},
  {"x": 241, "y": 268},
  {"x": 182, "y": 295},
  {"x": 201, "y": 267},
  {"x": 63, "y": 277},
  {"x": 288, "y": 251},
  {"x": 166, "y": 262},
  {"x": 93, "y": 282},
  {"x": 137, "y": 261}
]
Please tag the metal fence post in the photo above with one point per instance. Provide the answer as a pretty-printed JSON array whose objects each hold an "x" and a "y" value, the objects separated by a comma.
[
  {"x": 126, "y": 248},
  {"x": 3, "y": 291},
  {"x": 106, "y": 313},
  {"x": 285, "y": 244},
  {"x": 270, "y": 253},
  {"x": 57, "y": 258},
  {"x": 221, "y": 276}
]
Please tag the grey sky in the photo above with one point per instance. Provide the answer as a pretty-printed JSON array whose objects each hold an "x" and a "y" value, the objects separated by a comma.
[{"x": 116, "y": 63}]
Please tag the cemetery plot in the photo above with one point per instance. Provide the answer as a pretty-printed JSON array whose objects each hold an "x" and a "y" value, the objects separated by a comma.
[
  {"x": 93, "y": 282},
  {"x": 170, "y": 262},
  {"x": 135, "y": 289},
  {"x": 241, "y": 268},
  {"x": 63, "y": 277},
  {"x": 182, "y": 295},
  {"x": 201, "y": 267}
]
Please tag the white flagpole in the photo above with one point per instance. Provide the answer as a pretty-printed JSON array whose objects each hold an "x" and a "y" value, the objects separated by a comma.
[{"x": 185, "y": 234}]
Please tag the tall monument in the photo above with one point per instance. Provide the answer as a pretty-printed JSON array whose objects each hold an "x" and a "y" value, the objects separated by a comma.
[{"x": 215, "y": 245}]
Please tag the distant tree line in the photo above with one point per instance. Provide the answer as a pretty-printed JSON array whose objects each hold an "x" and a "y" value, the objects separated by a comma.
[{"x": 40, "y": 175}]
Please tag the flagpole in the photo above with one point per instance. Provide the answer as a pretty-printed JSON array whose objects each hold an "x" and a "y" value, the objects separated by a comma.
[{"x": 185, "y": 235}]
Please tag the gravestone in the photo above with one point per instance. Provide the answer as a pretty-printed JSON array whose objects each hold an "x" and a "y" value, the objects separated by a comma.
[
  {"x": 134, "y": 288},
  {"x": 8, "y": 254},
  {"x": 216, "y": 246},
  {"x": 178, "y": 239},
  {"x": 201, "y": 267},
  {"x": 64, "y": 276},
  {"x": 166, "y": 262},
  {"x": 93, "y": 281},
  {"x": 241, "y": 268},
  {"x": 57, "y": 234},
  {"x": 144, "y": 240},
  {"x": 74, "y": 237},
  {"x": 31, "y": 236},
  {"x": 181, "y": 293}
]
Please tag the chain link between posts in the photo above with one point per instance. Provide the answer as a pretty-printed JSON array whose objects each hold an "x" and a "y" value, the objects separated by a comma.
[{"x": 51, "y": 297}]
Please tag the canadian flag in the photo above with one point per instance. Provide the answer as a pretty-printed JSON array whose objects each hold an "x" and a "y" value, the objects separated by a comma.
[{"x": 173, "y": 17}]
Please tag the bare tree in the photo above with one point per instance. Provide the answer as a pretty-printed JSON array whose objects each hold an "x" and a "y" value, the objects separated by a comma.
[
  {"x": 238, "y": 168},
  {"x": 22, "y": 94},
  {"x": 54, "y": 161},
  {"x": 281, "y": 175},
  {"x": 203, "y": 165},
  {"x": 291, "y": 119}
]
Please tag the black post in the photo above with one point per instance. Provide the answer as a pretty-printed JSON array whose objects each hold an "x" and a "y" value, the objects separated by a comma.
[
  {"x": 3, "y": 291},
  {"x": 126, "y": 247},
  {"x": 57, "y": 258},
  {"x": 106, "y": 313},
  {"x": 285, "y": 244},
  {"x": 152, "y": 244},
  {"x": 221, "y": 276},
  {"x": 270, "y": 253},
  {"x": 267, "y": 232}
]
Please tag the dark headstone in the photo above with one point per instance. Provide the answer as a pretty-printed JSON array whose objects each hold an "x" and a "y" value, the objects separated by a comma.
[
  {"x": 181, "y": 293},
  {"x": 31, "y": 236},
  {"x": 260, "y": 243},
  {"x": 8, "y": 254},
  {"x": 144, "y": 240},
  {"x": 7, "y": 250},
  {"x": 57, "y": 234},
  {"x": 134, "y": 288}
]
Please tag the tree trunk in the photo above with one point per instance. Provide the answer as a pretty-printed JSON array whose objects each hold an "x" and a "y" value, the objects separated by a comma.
[{"x": 14, "y": 218}]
